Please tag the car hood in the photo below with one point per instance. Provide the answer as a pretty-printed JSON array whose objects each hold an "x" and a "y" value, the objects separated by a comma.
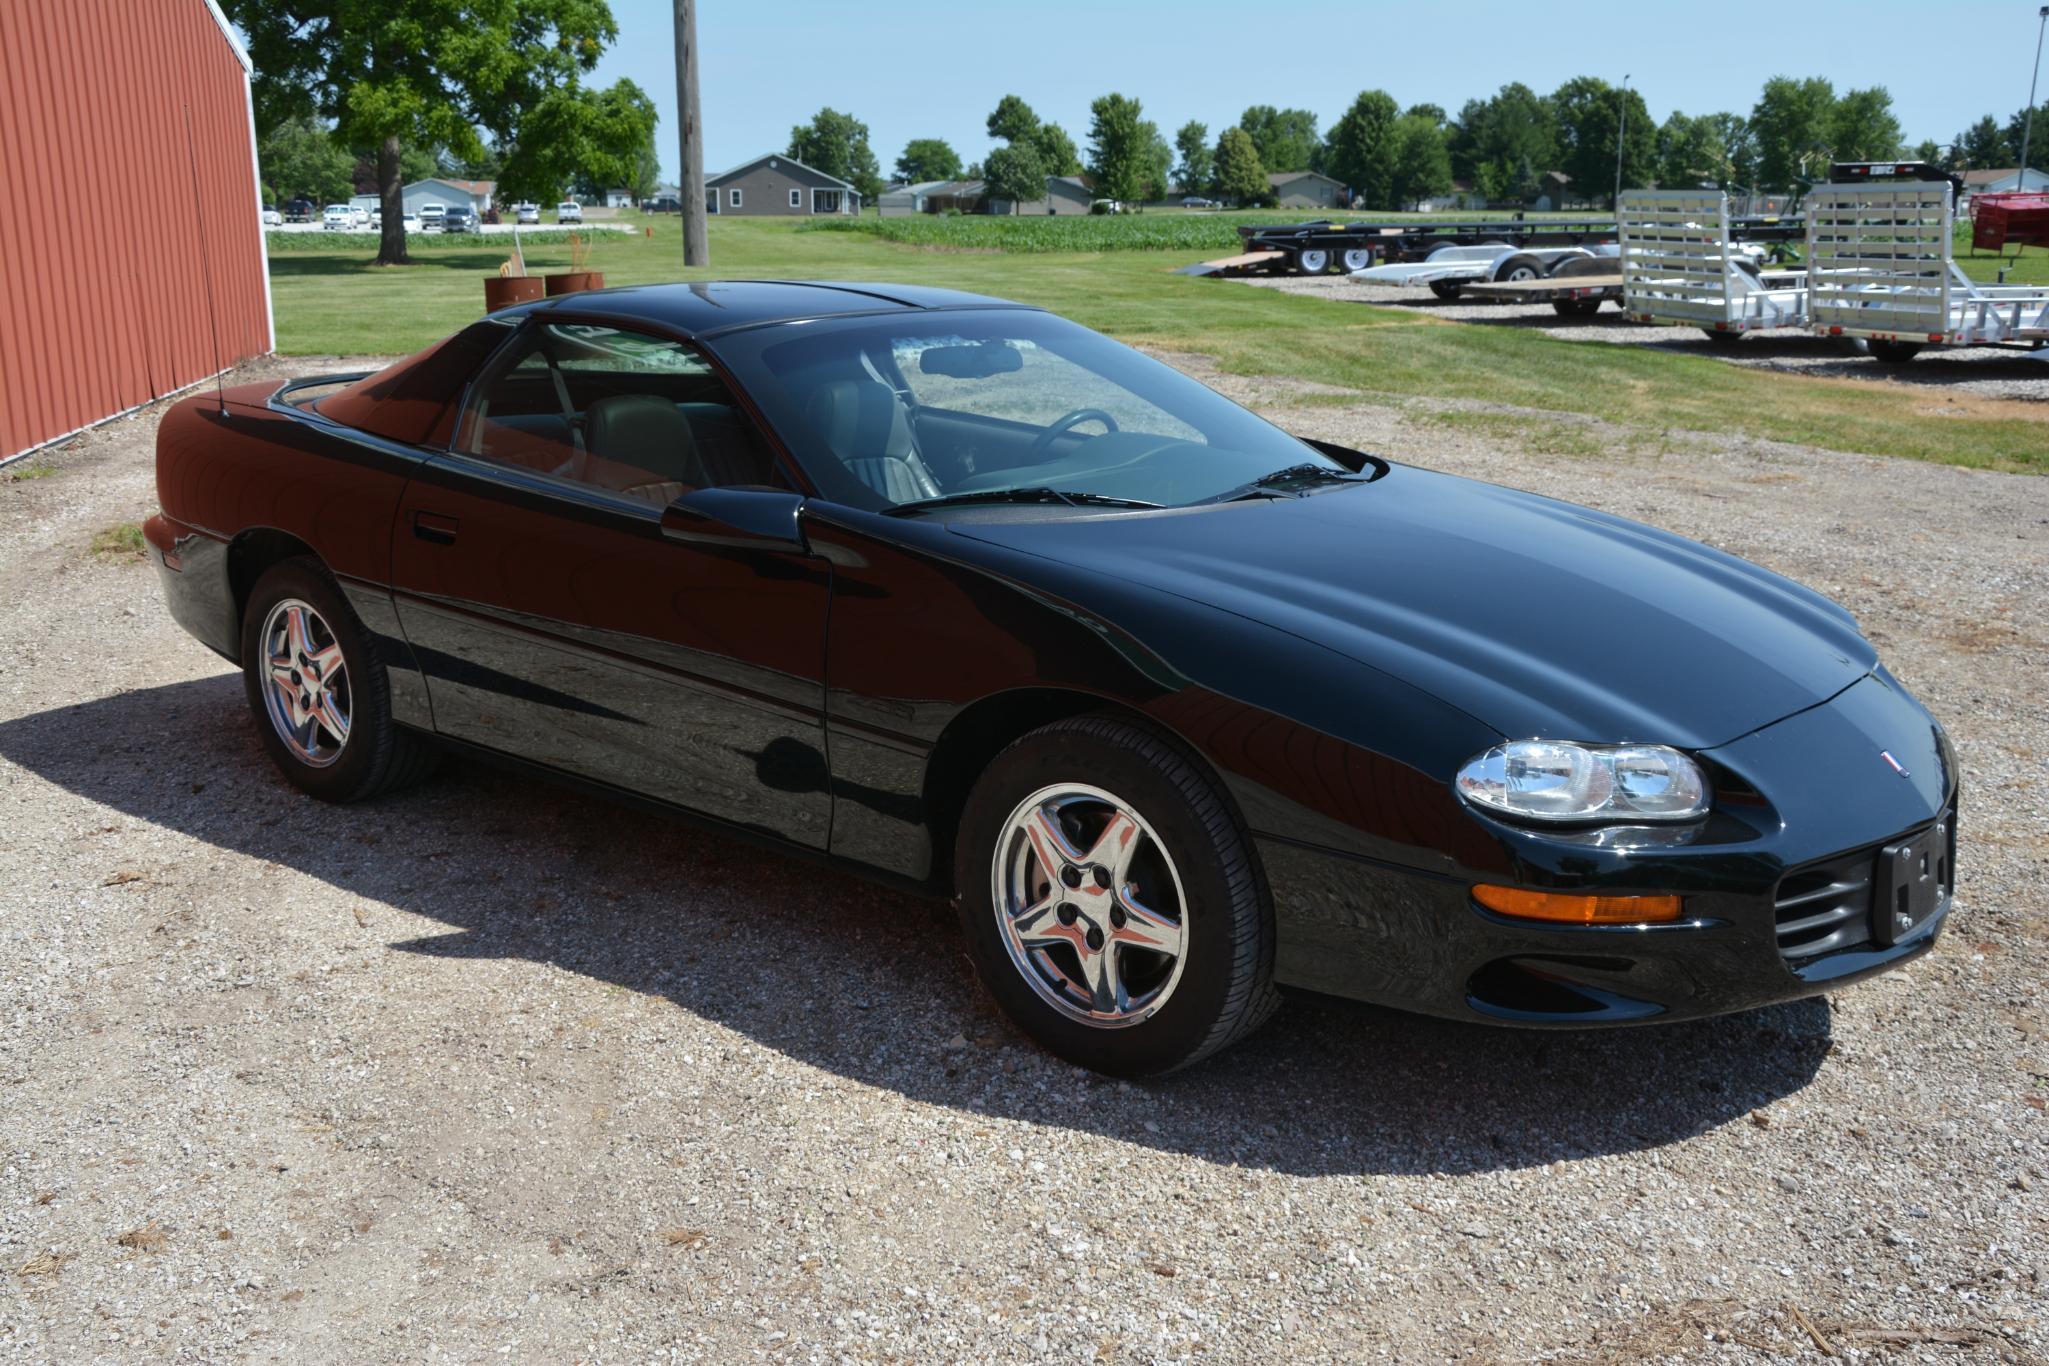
[{"x": 1534, "y": 616}]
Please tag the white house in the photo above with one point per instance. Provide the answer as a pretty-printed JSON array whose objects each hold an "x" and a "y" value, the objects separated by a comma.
[
  {"x": 1997, "y": 181},
  {"x": 475, "y": 194}
]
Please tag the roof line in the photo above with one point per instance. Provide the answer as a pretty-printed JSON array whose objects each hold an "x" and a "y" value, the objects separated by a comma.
[
  {"x": 234, "y": 38},
  {"x": 786, "y": 157}
]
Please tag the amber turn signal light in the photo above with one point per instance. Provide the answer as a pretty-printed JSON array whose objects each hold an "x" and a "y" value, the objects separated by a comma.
[{"x": 1577, "y": 910}]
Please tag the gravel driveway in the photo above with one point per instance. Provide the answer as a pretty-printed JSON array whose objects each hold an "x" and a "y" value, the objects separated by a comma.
[
  {"x": 491, "y": 1072},
  {"x": 1988, "y": 372}
]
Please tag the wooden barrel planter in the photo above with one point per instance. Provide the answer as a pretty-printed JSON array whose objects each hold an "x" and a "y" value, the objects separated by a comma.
[
  {"x": 575, "y": 281},
  {"x": 503, "y": 291}
]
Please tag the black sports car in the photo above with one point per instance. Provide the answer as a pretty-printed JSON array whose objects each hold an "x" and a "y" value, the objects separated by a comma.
[{"x": 1177, "y": 707}]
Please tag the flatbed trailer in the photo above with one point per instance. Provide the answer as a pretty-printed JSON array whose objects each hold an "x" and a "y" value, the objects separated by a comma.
[
  {"x": 1577, "y": 289},
  {"x": 1882, "y": 267},
  {"x": 1685, "y": 263},
  {"x": 1324, "y": 245}
]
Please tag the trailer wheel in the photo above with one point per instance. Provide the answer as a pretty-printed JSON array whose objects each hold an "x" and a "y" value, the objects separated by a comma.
[
  {"x": 1312, "y": 261},
  {"x": 1521, "y": 266},
  {"x": 1894, "y": 352},
  {"x": 1722, "y": 339},
  {"x": 1445, "y": 289},
  {"x": 1355, "y": 258},
  {"x": 1576, "y": 308}
]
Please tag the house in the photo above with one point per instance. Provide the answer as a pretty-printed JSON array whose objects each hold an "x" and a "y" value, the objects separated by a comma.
[
  {"x": 111, "y": 311},
  {"x": 1306, "y": 190},
  {"x": 774, "y": 184},
  {"x": 901, "y": 201},
  {"x": 2006, "y": 181},
  {"x": 619, "y": 199},
  {"x": 475, "y": 194},
  {"x": 1065, "y": 194},
  {"x": 1554, "y": 188},
  {"x": 1460, "y": 197}
]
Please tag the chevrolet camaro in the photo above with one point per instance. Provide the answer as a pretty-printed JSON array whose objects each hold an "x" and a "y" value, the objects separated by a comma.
[{"x": 1176, "y": 707}]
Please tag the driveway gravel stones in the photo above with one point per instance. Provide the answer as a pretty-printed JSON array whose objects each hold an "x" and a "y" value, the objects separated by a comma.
[{"x": 489, "y": 1071}]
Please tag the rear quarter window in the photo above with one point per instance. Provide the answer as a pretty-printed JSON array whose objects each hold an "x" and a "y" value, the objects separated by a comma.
[{"x": 415, "y": 400}]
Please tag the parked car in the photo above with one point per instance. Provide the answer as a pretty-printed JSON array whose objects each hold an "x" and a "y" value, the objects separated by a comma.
[
  {"x": 300, "y": 210},
  {"x": 1198, "y": 202},
  {"x": 526, "y": 213},
  {"x": 359, "y": 215},
  {"x": 1216, "y": 709},
  {"x": 459, "y": 218},
  {"x": 569, "y": 211},
  {"x": 431, "y": 216},
  {"x": 270, "y": 217},
  {"x": 377, "y": 218},
  {"x": 411, "y": 223},
  {"x": 1101, "y": 206},
  {"x": 338, "y": 218},
  {"x": 662, "y": 203}
]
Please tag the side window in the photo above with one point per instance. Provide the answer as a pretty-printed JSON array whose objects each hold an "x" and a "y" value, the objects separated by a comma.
[
  {"x": 733, "y": 197},
  {"x": 615, "y": 410},
  {"x": 796, "y": 199}
]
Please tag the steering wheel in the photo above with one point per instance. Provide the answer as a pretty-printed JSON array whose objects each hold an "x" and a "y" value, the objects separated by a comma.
[{"x": 1067, "y": 420}]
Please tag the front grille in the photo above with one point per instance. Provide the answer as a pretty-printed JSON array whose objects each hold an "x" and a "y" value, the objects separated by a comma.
[{"x": 1825, "y": 906}]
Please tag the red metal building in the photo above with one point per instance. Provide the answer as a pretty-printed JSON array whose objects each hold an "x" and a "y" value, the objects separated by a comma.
[{"x": 127, "y": 135}]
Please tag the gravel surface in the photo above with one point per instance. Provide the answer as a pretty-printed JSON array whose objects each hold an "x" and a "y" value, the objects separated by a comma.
[
  {"x": 1984, "y": 371},
  {"x": 492, "y": 1072}
]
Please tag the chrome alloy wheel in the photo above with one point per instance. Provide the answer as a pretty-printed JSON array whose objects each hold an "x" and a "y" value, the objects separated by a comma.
[
  {"x": 305, "y": 683},
  {"x": 1090, "y": 905}
]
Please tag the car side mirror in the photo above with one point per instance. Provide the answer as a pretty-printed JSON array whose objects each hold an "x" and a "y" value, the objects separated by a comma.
[{"x": 745, "y": 518}]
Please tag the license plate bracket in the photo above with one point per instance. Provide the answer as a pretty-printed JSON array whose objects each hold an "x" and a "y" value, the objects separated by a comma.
[{"x": 1914, "y": 882}]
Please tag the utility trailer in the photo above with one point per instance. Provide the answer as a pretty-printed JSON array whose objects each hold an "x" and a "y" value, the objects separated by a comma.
[
  {"x": 1575, "y": 288},
  {"x": 1686, "y": 263},
  {"x": 1451, "y": 272},
  {"x": 1882, "y": 267}
]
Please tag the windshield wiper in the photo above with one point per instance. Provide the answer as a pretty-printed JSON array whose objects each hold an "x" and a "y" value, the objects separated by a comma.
[
  {"x": 1024, "y": 495},
  {"x": 1269, "y": 485}
]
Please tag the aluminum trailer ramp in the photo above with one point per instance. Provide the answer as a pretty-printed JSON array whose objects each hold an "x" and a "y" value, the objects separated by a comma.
[
  {"x": 1683, "y": 265},
  {"x": 1881, "y": 267}
]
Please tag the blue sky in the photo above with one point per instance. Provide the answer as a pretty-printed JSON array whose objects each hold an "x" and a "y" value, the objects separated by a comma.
[{"x": 916, "y": 68}]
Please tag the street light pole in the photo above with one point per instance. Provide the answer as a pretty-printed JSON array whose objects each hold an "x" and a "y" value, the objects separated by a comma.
[
  {"x": 696, "y": 247},
  {"x": 1621, "y": 132},
  {"x": 2028, "y": 124}
]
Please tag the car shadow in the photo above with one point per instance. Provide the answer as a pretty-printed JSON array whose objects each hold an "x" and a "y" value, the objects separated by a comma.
[{"x": 873, "y": 985}]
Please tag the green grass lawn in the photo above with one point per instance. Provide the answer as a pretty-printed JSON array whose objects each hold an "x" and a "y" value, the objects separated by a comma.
[{"x": 335, "y": 302}]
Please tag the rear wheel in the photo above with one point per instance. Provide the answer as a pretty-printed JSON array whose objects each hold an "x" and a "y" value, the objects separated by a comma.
[
  {"x": 318, "y": 689},
  {"x": 1894, "y": 352},
  {"x": 1576, "y": 308},
  {"x": 1110, "y": 900},
  {"x": 1312, "y": 261},
  {"x": 1722, "y": 339},
  {"x": 1445, "y": 289},
  {"x": 1355, "y": 258},
  {"x": 1521, "y": 266}
]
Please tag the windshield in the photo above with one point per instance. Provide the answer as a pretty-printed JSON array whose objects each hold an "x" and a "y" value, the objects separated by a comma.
[{"x": 966, "y": 406}]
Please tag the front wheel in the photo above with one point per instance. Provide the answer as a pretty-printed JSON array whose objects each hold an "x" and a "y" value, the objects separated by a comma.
[
  {"x": 1576, "y": 308},
  {"x": 1446, "y": 289},
  {"x": 1110, "y": 899},
  {"x": 1355, "y": 258},
  {"x": 1312, "y": 261},
  {"x": 319, "y": 691},
  {"x": 1894, "y": 352},
  {"x": 1725, "y": 340}
]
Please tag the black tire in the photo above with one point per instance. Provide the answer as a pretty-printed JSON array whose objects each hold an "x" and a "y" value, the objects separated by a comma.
[
  {"x": 1576, "y": 308},
  {"x": 1310, "y": 261},
  {"x": 1521, "y": 266},
  {"x": 1225, "y": 985},
  {"x": 376, "y": 755},
  {"x": 1894, "y": 352},
  {"x": 1355, "y": 258},
  {"x": 1446, "y": 289},
  {"x": 1722, "y": 339}
]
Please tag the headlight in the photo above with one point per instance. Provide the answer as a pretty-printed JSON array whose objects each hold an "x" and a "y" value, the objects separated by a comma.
[{"x": 1556, "y": 780}]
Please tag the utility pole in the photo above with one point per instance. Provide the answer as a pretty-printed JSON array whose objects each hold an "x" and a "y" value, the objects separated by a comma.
[
  {"x": 2028, "y": 124},
  {"x": 1621, "y": 132},
  {"x": 696, "y": 248}
]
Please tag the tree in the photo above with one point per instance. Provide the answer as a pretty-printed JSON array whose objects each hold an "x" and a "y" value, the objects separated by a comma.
[
  {"x": 1014, "y": 172},
  {"x": 2038, "y": 145},
  {"x": 298, "y": 158},
  {"x": 1689, "y": 152},
  {"x": 1197, "y": 158},
  {"x": 578, "y": 137},
  {"x": 1502, "y": 145},
  {"x": 1013, "y": 120},
  {"x": 1791, "y": 124},
  {"x": 1240, "y": 177},
  {"x": 1361, "y": 150},
  {"x": 1983, "y": 146},
  {"x": 1120, "y": 147},
  {"x": 1590, "y": 115},
  {"x": 837, "y": 144},
  {"x": 1433, "y": 112},
  {"x": 423, "y": 73},
  {"x": 1286, "y": 138},
  {"x": 1736, "y": 151},
  {"x": 1419, "y": 161},
  {"x": 927, "y": 159},
  {"x": 1862, "y": 126},
  {"x": 1159, "y": 163},
  {"x": 1057, "y": 151},
  {"x": 644, "y": 177}
]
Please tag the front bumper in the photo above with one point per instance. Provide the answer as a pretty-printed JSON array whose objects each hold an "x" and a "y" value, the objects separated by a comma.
[{"x": 1783, "y": 897}]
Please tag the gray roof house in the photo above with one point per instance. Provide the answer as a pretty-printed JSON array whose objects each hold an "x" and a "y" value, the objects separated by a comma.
[
  {"x": 449, "y": 193},
  {"x": 1065, "y": 194},
  {"x": 775, "y": 184},
  {"x": 1305, "y": 190},
  {"x": 899, "y": 201}
]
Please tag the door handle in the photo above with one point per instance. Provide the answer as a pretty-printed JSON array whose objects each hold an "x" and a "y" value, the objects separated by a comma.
[{"x": 436, "y": 527}]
